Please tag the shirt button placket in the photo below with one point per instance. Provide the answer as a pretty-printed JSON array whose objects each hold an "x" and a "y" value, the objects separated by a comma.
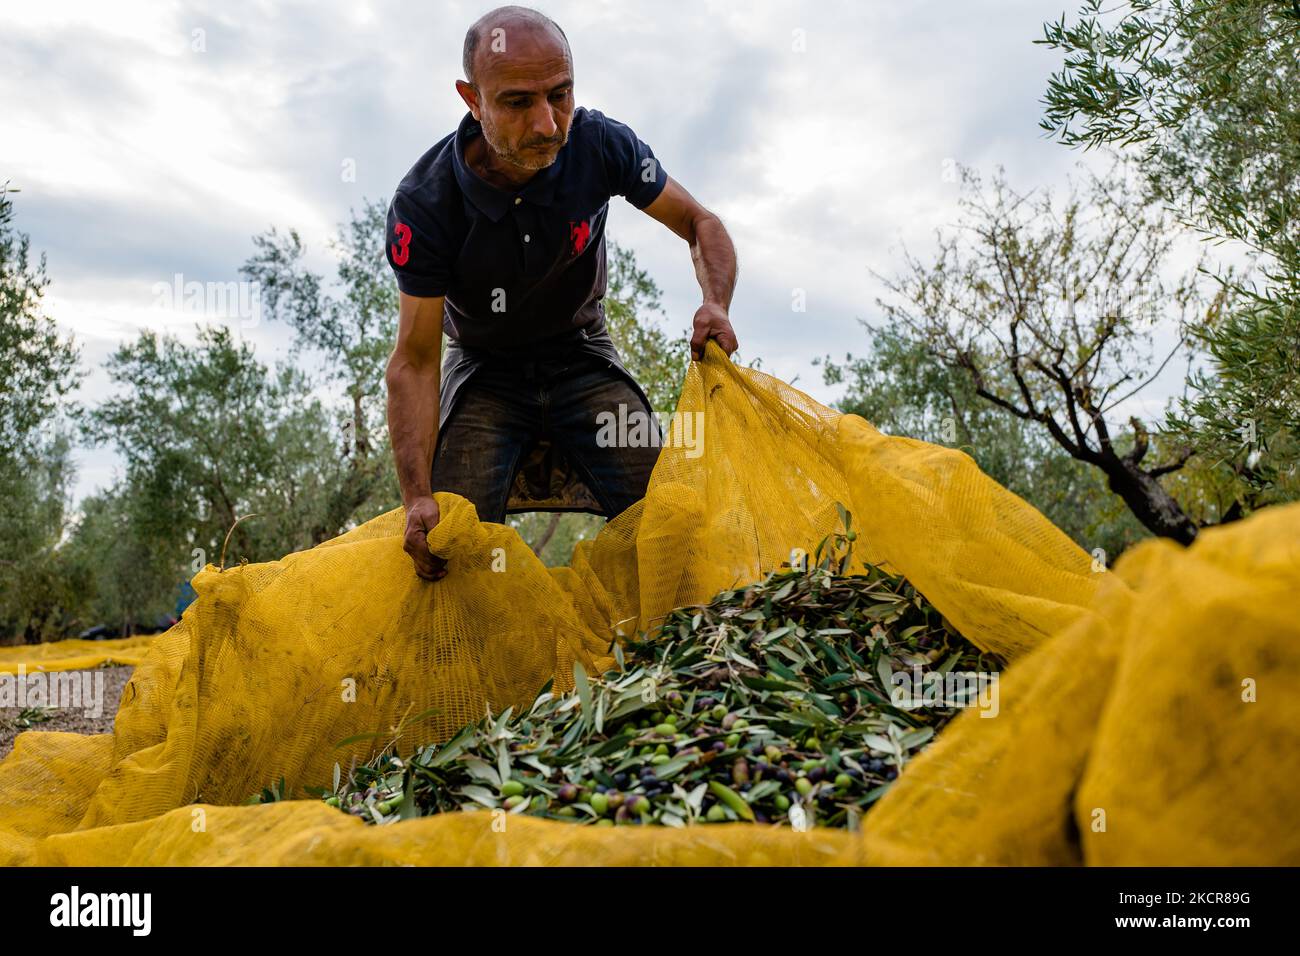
[{"x": 525, "y": 224}]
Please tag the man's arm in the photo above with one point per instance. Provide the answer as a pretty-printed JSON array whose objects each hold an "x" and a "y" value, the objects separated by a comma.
[
  {"x": 714, "y": 256},
  {"x": 413, "y": 378}
]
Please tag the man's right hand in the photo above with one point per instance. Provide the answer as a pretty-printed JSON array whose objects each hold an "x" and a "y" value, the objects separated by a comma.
[
  {"x": 412, "y": 378},
  {"x": 422, "y": 516}
]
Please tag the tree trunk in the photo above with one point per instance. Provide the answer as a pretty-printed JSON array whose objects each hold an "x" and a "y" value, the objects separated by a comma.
[
  {"x": 547, "y": 534},
  {"x": 1150, "y": 502},
  {"x": 360, "y": 450}
]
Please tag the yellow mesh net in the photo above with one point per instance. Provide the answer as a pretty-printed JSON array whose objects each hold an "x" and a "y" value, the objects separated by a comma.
[
  {"x": 74, "y": 654},
  {"x": 1147, "y": 716}
]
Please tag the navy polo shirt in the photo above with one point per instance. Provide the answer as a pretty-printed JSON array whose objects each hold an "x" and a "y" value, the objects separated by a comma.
[{"x": 523, "y": 271}]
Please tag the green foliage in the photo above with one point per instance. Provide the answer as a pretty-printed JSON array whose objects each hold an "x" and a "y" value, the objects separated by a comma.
[
  {"x": 39, "y": 368},
  {"x": 1209, "y": 92},
  {"x": 39, "y": 587},
  {"x": 554, "y": 535},
  {"x": 123, "y": 554},
  {"x": 37, "y": 365},
  {"x": 776, "y": 703},
  {"x": 209, "y": 435},
  {"x": 1243, "y": 415}
]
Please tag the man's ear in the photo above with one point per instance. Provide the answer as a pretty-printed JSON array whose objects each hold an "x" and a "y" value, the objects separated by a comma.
[{"x": 470, "y": 95}]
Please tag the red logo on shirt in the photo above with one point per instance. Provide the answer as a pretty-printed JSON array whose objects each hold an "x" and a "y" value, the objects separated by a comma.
[{"x": 579, "y": 233}]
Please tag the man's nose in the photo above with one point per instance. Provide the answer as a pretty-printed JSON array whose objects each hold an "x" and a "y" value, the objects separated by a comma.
[{"x": 543, "y": 121}]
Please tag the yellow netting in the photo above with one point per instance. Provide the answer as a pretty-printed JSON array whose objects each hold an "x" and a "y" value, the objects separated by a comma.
[
  {"x": 73, "y": 654},
  {"x": 1123, "y": 735}
]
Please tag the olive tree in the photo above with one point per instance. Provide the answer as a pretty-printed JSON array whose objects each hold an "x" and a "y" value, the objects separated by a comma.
[
  {"x": 1207, "y": 93},
  {"x": 1051, "y": 309}
]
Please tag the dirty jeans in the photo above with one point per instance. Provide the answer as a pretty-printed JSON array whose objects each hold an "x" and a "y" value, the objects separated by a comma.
[{"x": 506, "y": 407}]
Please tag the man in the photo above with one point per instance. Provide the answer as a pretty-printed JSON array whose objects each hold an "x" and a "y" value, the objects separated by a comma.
[{"x": 497, "y": 235}]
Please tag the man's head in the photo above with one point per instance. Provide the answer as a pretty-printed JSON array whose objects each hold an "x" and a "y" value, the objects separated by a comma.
[{"x": 519, "y": 84}]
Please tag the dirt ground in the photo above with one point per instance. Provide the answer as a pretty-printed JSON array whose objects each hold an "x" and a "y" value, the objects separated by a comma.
[{"x": 69, "y": 719}]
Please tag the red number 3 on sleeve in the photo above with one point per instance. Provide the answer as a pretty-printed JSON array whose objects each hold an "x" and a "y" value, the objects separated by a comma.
[{"x": 401, "y": 249}]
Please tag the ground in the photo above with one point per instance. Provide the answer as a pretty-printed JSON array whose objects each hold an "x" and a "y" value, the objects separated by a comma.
[{"x": 115, "y": 679}]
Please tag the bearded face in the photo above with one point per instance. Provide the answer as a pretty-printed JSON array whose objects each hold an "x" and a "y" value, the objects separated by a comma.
[{"x": 528, "y": 152}]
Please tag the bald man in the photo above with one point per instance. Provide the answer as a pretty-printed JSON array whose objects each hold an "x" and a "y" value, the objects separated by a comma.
[{"x": 497, "y": 236}]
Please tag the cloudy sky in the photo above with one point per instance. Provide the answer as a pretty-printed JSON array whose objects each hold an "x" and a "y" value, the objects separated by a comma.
[{"x": 152, "y": 139}]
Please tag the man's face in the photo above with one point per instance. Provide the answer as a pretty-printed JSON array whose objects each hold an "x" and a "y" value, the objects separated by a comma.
[{"x": 525, "y": 101}]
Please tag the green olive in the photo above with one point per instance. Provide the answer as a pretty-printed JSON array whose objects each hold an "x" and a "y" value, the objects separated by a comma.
[
  {"x": 716, "y": 814},
  {"x": 804, "y": 786},
  {"x": 843, "y": 781},
  {"x": 733, "y": 740},
  {"x": 511, "y": 788},
  {"x": 512, "y": 802},
  {"x": 719, "y": 711},
  {"x": 599, "y": 802},
  {"x": 642, "y": 805},
  {"x": 782, "y": 802}
]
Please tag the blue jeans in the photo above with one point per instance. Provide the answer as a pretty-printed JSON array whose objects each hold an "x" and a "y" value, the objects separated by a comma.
[{"x": 510, "y": 412}]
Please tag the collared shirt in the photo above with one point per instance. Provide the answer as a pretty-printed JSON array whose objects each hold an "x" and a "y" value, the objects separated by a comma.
[{"x": 523, "y": 272}]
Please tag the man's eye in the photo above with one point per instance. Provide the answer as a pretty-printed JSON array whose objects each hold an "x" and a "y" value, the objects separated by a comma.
[{"x": 523, "y": 104}]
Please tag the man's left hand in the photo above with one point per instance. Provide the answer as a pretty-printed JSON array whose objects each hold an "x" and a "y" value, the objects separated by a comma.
[{"x": 711, "y": 322}]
